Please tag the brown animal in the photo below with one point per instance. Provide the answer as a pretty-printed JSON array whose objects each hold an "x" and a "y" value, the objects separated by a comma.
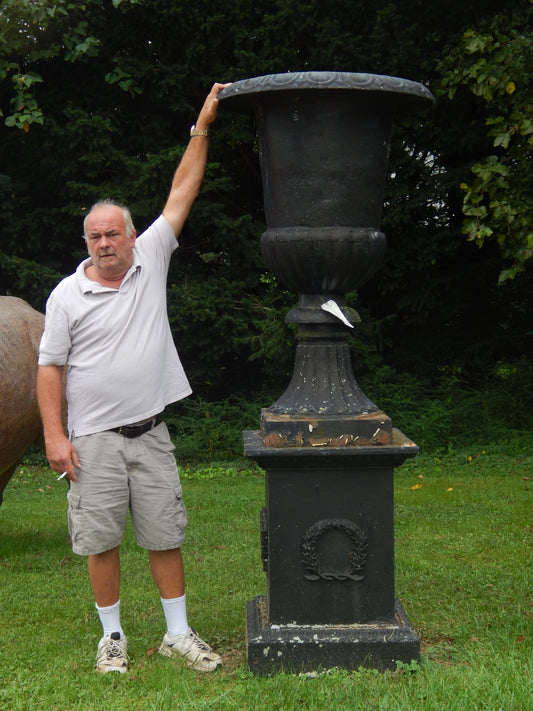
[{"x": 20, "y": 423}]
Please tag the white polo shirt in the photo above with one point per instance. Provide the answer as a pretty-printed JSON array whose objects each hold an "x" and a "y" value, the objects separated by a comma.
[{"x": 122, "y": 364}]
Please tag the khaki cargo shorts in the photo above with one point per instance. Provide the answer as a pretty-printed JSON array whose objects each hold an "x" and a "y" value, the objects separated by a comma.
[{"x": 118, "y": 474}]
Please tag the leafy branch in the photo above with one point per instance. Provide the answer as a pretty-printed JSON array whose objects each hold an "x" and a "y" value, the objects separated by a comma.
[{"x": 494, "y": 63}]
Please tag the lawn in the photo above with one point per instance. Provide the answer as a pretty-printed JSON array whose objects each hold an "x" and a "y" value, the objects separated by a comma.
[{"x": 464, "y": 530}]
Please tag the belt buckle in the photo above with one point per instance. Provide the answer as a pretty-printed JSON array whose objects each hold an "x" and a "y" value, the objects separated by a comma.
[
  {"x": 126, "y": 430},
  {"x": 134, "y": 430}
]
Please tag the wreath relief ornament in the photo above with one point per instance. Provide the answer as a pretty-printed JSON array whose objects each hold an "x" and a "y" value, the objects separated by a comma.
[{"x": 357, "y": 557}]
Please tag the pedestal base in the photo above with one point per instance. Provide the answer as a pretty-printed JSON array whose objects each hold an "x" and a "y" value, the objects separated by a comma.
[{"x": 308, "y": 648}]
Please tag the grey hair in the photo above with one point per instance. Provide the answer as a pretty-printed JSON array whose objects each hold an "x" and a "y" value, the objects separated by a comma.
[{"x": 128, "y": 222}]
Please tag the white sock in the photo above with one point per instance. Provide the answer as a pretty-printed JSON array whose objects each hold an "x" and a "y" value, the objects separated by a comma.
[
  {"x": 110, "y": 618},
  {"x": 175, "y": 610}
]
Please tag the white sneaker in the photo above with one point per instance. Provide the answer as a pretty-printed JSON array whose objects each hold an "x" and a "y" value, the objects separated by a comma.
[
  {"x": 112, "y": 654},
  {"x": 197, "y": 653}
]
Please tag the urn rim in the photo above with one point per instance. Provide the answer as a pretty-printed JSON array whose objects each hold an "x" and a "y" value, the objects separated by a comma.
[{"x": 404, "y": 92}]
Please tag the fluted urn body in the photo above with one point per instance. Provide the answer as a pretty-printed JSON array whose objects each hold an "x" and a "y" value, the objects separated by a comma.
[{"x": 324, "y": 141}]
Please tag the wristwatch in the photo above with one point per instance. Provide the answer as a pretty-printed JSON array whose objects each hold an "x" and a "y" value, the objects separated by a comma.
[{"x": 198, "y": 132}]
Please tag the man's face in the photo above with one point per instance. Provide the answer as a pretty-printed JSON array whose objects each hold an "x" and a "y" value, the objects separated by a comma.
[{"x": 107, "y": 243}]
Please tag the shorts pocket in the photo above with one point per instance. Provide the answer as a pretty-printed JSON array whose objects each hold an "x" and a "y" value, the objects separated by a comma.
[
  {"x": 178, "y": 517},
  {"x": 74, "y": 514}
]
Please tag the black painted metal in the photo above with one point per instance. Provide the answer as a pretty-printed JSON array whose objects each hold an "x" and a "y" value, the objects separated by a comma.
[
  {"x": 330, "y": 531},
  {"x": 312, "y": 648},
  {"x": 329, "y": 453},
  {"x": 324, "y": 141}
]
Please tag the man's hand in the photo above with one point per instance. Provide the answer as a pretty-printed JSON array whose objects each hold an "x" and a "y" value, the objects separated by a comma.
[
  {"x": 209, "y": 110},
  {"x": 62, "y": 456}
]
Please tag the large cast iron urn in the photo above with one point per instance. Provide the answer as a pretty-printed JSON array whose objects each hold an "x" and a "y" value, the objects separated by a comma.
[{"x": 328, "y": 451}]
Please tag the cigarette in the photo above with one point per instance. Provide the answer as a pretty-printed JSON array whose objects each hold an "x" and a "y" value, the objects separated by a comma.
[{"x": 62, "y": 476}]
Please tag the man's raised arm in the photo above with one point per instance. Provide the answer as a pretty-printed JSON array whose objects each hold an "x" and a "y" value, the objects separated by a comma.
[{"x": 189, "y": 175}]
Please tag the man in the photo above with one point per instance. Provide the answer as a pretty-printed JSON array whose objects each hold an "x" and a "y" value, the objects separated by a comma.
[{"x": 107, "y": 325}]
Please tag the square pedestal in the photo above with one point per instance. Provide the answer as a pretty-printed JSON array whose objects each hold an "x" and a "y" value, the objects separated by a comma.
[
  {"x": 327, "y": 543},
  {"x": 312, "y": 648}
]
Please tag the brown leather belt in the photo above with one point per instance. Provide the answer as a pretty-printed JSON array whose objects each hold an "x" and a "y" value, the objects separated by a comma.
[{"x": 136, "y": 430}]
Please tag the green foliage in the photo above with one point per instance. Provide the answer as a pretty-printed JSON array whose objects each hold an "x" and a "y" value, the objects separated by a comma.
[
  {"x": 230, "y": 332},
  {"x": 105, "y": 93},
  {"x": 494, "y": 63},
  {"x": 443, "y": 414},
  {"x": 206, "y": 431},
  {"x": 32, "y": 31},
  {"x": 32, "y": 281},
  {"x": 449, "y": 412}
]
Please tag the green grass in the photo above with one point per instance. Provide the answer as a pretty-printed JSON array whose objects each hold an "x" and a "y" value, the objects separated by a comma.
[{"x": 463, "y": 574}]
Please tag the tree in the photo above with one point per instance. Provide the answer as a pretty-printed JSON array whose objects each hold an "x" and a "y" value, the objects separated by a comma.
[
  {"x": 495, "y": 62},
  {"x": 36, "y": 30},
  {"x": 103, "y": 98}
]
